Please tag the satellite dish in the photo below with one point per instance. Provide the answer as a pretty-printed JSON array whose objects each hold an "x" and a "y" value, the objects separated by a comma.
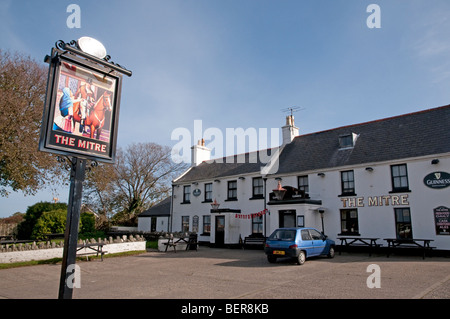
[{"x": 92, "y": 46}]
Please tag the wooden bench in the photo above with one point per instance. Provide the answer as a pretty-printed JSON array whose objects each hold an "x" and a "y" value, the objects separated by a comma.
[
  {"x": 170, "y": 243},
  {"x": 94, "y": 249},
  {"x": 256, "y": 241},
  {"x": 371, "y": 243},
  {"x": 409, "y": 243}
]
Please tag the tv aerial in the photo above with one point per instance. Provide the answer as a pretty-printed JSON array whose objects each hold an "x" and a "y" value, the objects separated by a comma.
[{"x": 293, "y": 109}]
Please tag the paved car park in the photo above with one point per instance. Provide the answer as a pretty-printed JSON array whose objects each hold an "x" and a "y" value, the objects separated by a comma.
[{"x": 213, "y": 273}]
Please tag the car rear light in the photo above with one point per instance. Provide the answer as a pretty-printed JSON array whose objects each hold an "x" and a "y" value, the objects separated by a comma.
[
  {"x": 293, "y": 246},
  {"x": 267, "y": 245}
]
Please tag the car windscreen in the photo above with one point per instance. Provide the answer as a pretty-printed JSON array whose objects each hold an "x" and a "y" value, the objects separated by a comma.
[{"x": 283, "y": 234}]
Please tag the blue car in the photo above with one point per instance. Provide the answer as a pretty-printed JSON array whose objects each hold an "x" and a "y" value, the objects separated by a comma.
[{"x": 298, "y": 243}]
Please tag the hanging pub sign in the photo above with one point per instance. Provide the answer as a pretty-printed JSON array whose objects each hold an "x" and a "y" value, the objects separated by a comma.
[
  {"x": 82, "y": 105},
  {"x": 442, "y": 220},
  {"x": 437, "y": 180}
]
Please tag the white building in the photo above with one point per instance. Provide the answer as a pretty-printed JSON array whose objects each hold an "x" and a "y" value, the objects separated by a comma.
[
  {"x": 156, "y": 218},
  {"x": 386, "y": 178}
]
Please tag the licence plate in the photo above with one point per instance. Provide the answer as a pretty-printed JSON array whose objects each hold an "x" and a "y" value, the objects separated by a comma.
[{"x": 278, "y": 252}]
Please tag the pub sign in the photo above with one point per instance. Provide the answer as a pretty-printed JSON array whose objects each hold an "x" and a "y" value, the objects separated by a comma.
[{"x": 81, "y": 109}]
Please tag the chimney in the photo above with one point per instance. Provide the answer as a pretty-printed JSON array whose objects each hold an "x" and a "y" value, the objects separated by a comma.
[
  {"x": 200, "y": 153},
  {"x": 289, "y": 130}
]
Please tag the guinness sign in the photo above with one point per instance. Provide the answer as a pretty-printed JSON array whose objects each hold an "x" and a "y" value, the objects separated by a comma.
[{"x": 437, "y": 180}]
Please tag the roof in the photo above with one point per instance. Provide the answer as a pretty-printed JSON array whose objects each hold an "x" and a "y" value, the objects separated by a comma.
[
  {"x": 406, "y": 136},
  {"x": 243, "y": 164},
  {"x": 160, "y": 209}
]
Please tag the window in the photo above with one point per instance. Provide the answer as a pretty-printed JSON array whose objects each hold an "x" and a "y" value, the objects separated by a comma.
[
  {"x": 184, "y": 223},
  {"x": 232, "y": 190},
  {"x": 187, "y": 194},
  {"x": 348, "y": 183},
  {"x": 303, "y": 186},
  {"x": 399, "y": 175},
  {"x": 206, "y": 224},
  {"x": 306, "y": 235},
  {"x": 403, "y": 223},
  {"x": 301, "y": 221},
  {"x": 208, "y": 192},
  {"x": 315, "y": 234},
  {"x": 345, "y": 141},
  {"x": 257, "y": 225},
  {"x": 258, "y": 187},
  {"x": 349, "y": 222},
  {"x": 195, "y": 224}
]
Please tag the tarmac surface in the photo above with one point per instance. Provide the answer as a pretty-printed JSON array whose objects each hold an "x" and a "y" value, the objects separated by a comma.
[{"x": 214, "y": 273}]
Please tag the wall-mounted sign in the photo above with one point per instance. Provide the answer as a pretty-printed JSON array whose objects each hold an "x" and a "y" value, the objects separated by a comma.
[
  {"x": 442, "y": 220},
  {"x": 82, "y": 108},
  {"x": 384, "y": 200},
  {"x": 196, "y": 192},
  {"x": 437, "y": 180}
]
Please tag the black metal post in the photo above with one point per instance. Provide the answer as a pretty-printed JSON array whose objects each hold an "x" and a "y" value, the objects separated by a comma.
[
  {"x": 71, "y": 233},
  {"x": 265, "y": 207}
]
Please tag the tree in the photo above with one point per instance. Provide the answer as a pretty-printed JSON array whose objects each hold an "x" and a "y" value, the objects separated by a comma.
[
  {"x": 32, "y": 215},
  {"x": 22, "y": 94},
  {"x": 141, "y": 176}
]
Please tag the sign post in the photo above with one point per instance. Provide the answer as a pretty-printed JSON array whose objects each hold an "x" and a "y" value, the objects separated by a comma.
[
  {"x": 67, "y": 283},
  {"x": 80, "y": 120}
]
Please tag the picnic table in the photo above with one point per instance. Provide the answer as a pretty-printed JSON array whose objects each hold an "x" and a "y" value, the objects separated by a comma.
[
  {"x": 191, "y": 242},
  {"x": 359, "y": 241},
  {"x": 415, "y": 243},
  {"x": 90, "y": 249}
]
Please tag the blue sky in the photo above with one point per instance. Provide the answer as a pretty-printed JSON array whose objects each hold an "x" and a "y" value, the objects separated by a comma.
[{"x": 238, "y": 63}]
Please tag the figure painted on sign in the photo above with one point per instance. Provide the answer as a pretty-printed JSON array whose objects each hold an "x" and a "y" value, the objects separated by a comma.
[
  {"x": 86, "y": 93},
  {"x": 63, "y": 121}
]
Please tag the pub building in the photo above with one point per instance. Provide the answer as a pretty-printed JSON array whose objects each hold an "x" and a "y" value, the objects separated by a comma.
[{"x": 386, "y": 178}]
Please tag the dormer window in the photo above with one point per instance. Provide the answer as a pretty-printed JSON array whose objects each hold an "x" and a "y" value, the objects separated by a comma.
[{"x": 347, "y": 141}]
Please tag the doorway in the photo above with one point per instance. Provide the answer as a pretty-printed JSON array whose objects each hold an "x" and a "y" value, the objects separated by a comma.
[
  {"x": 287, "y": 218},
  {"x": 220, "y": 231}
]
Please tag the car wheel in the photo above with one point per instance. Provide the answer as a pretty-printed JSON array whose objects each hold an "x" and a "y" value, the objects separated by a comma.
[
  {"x": 271, "y": 259},
  {"x": 301, "y": 258},
  {"x": 331, "y": 252}
]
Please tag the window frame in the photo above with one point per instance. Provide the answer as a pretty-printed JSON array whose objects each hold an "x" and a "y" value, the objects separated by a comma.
[
  {"x": 345, "y": 229},
  {"x": 259, "y": 187},
  {"x": 303, "y": 187},
  {"x": 232, "y": 190},
  {"x": 345, "y": 189},
  {"x": 185, "y": 224},
  {"x": 400, "y": 224},
  {"x": 206, "y": 227},
  {"x": 208, "y": 193},
  {"x": 399, "y": 177},
  {"x": 186, "y": 194}
]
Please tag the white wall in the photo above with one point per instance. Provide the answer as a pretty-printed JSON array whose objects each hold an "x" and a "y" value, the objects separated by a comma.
[{"x": 374, "y": 221}]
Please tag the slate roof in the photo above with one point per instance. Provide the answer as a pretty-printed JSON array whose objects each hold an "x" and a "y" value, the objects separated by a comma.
[
  {"x": 227, "y": 166},
  {"x": 160, "y": 209},
  {"x": 410, "y": 135}
]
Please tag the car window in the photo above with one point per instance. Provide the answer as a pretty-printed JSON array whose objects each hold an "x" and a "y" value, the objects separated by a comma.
[
  {"x": 305, "y": 235},
  {"x": 283, "y": 234},
  {"x": 315, "y": 234}
]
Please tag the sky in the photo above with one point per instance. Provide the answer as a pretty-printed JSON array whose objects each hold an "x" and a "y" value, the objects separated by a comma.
[{"x": 240, "y": 63}]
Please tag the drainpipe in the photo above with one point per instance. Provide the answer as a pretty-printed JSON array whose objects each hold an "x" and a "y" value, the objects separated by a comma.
[
  {"x": 265, "y": 220},
  {"x": 171, "y": 210}
]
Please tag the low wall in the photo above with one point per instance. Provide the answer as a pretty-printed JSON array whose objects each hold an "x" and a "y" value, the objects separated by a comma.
[{"x": 11, "y": 253}]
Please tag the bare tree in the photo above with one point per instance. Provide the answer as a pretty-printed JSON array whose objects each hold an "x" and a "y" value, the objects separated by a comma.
[
  {"x": 22, "y": 94},
  {"x": 141, "y": 177}
]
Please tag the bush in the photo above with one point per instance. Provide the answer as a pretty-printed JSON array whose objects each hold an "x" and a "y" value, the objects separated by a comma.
[
  {"x": 53, "y": 222},
  {"x": 87, "y": 221},
  {"x": 33, "y": 213}
]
